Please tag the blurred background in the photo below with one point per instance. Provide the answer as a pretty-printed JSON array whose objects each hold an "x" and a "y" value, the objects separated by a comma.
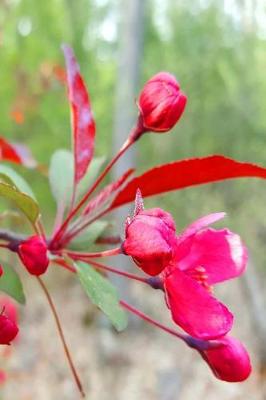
[{"x": 217, "y": 50}]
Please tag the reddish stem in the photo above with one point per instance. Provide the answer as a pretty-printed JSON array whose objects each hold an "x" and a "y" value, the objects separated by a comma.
[
  {"x": 62, "y": 337},
  {"x": 57, "y": 237},
  {"x": 107, "y": 253}
]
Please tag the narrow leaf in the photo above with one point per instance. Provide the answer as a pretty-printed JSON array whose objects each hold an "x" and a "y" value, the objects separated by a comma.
[
  {"x": 89, "y": 235},
  {"x": 83, "y": 126},
  {"x": 103, "y": 294},
  {"x": 24, "y": 202},
  {"x": 61, "y": 175},
  {"x": 10, "y": 283},
  {"x": 186, "y": 173},
  {"x": 17, "y": 179},
  {"x": 16, "y": 153},
  {"x": 106, "y": 193}
]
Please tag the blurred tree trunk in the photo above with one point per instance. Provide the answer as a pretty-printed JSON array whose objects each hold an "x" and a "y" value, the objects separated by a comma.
[{"x": 129, "y": 67}]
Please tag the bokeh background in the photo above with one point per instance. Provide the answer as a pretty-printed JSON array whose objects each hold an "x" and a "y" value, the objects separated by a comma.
[{"x": 217, "y": 50}]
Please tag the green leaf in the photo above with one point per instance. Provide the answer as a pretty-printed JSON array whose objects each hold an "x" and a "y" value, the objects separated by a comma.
[
  {"x": 61, "y": 176},
  {"x": 91, "y": 175},
  {"x": 10, "y": 283},
  {"x": 90, "y": 235},
  {"x": 14, "y": 179},
  {"x": 24, "y": 202},
  {"x": 103, "y": 294}
]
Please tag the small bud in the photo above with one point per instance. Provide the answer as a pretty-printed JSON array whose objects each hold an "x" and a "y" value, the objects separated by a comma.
[
  {"x": 8, "y": 330},
  {"x": 33, "y": 254},
  {"x": 1, "y": 270},
  {"x": 149, "y": 239},
  {"x": 229, "y": 362},
  {"x": 161, "y": 104}
]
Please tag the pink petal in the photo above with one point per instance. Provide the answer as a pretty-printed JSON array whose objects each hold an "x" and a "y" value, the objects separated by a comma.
[
  {"x": 220, "y": 252},
  {"x": 201, "y": 223},
  {"x": 230, "y": 362},
  {"x": 194, "y": 309}
]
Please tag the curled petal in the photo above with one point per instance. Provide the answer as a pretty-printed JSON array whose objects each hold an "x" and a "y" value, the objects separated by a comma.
[
  {"x": 194, "y": 309},
  {"x": 220, "y": 252}
]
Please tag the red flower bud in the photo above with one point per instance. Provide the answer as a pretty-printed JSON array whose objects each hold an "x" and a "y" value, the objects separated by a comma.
[
  {"x": 149, "y": 239},
  {"x": 8, "y": 330},
  {"x": 33, "y": 254},
  {"x": 1, "y": 270},
  {"x": 161, "y": 103},
  {"x": 229, "y": 362}
]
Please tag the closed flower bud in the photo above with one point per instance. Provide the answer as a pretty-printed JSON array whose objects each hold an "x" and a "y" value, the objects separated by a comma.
[
  {"x": 8, "y": 330},
  {"x": 33, "y": 254},
  {"x": 149, "y": 239},
  {"x": 161, "y": 103},
  {"x": 229, "y": 362}
]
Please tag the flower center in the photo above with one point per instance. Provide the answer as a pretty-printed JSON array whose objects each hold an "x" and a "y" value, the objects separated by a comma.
[{"x": 200, "y": 275}]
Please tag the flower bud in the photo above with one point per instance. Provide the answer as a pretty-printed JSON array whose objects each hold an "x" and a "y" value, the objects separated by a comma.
[
  {"x": 161, "y": 103},
  {"x": 229, "y": 362},
  {"x": 150, "y": 236},
  {"x": 8, "y": 330},
  {"x": 33, "y": 254},
  {"x": 1, "y": 270}
]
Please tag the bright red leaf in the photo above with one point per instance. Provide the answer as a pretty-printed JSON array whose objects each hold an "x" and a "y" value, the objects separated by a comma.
[
  {"x": 186, "y": 173},
  {"x": 16, "y": 153},
  {"x": 83, "y": 125}
]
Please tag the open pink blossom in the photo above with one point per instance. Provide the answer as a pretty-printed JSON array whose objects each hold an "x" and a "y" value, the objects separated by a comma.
[
  {"x": 202, "y": 257},
  {"x": 229, "y": 362}
]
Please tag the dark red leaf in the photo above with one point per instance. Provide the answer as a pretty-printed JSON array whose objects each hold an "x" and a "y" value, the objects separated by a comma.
[
  {"x": 106, "y": 193},
  {"x": 83, "y": 125},
  {"x": 16, "y": 153},
  {"x": 185, "y": 173}
]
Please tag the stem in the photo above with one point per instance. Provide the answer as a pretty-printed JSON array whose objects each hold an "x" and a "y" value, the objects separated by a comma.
[
  {"x": 107, "y": 253},
  {"x": 114, "y": 270},
  {"x": 151, "y": 321},
  {"x": 62, "y": 337},
  {"x": 73, "y": 212}
]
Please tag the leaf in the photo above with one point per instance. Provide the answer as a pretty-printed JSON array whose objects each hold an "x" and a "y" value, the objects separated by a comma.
[
  {"x": 24, "y": 202},
  {"x": 90, "y": 235},
  {"x": 186, "y": 173},
  {"x": 83, "y": 125},
  {"x": 10, "y": 283},
  {"x": 16, "y": 153},
  {"x": 19, "y": 182},
  {"x": 105, "y": 194},
  {"x": 89, "y": 178},
  {"x": 103, "y": 294},
  {"x": 61, "y": 173}
]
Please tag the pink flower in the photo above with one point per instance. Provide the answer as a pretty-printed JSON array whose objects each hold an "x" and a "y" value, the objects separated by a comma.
[
  {"x": 8, "y": 329},
  {"x": 3, "y": 377},
  {"x": 229, "y": 362},
  {"x": 149, "y": 239},
  {"x": 161, "y": 103},
  {"x": 202, "y": 257},
  {"x": 33, "y": 254}
]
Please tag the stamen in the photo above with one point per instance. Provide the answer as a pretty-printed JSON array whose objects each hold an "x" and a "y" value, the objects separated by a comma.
[{"x": 199, "y": 274}]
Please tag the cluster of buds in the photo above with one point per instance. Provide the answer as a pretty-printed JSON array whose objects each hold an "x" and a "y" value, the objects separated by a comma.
[{"x": 186, "y": 266}]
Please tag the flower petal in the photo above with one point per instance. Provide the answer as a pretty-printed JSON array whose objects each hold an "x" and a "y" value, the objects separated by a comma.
[
  {"x": 220, "y": 252},
  {"x": 194, "y": 309},
  {"x": 201, "y": 223}
]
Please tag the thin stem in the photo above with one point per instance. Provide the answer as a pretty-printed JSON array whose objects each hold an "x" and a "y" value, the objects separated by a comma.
[
  {"x": 73, "y": 212},
  {"x": 107, "y": 253},
  {"x": 115, "y": 271},
  {"x": 152, "y": 321},
  {"x": 62, "y": 337}
]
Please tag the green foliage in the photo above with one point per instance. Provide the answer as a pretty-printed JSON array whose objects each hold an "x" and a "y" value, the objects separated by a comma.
[
  {"x": 89, "y": 236},
  {"x": 24, "y": 202},
  {"x": 103, "y": 294},
  {"x": 15, "y": 180},
  {"x": 10, "y": 283}
]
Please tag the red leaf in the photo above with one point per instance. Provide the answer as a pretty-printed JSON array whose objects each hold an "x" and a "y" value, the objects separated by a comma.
[
  {"x": 186, "y": 173},
  {"x": 83, "y": 125},
  {"x": 105, "y": 194},
  {"x": 16, "y": 153}
]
